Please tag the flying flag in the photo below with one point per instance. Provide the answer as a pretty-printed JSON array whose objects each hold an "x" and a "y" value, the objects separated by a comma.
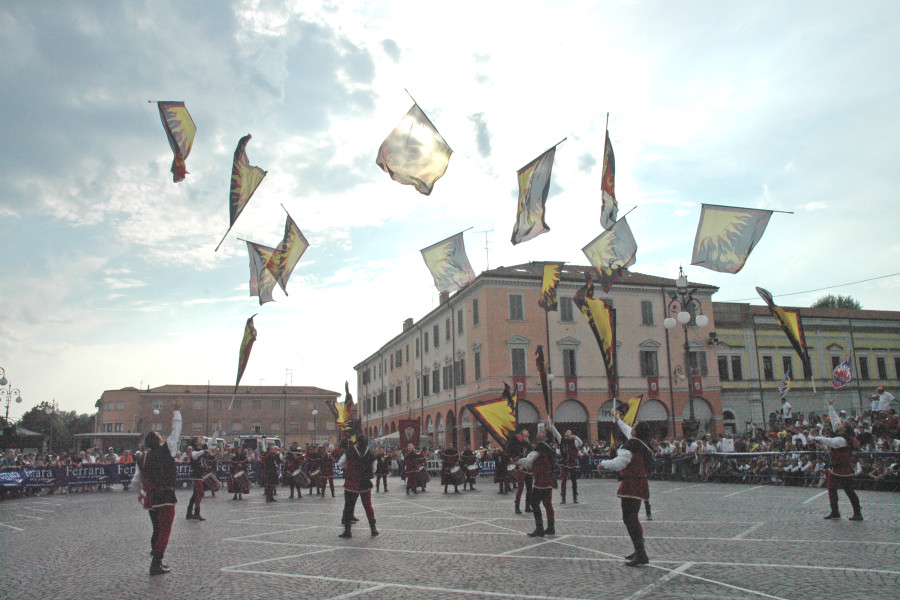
[
  {"x": 244, "y": 354},
  {"x": 602, "y": 321},
  {"x": 414, "y": 153},
  {"x": 791, "y": 325},
  {"x": 784, "y": 385},
  {"x": 245, "y": 178},
  {"x": 631, "y": 409},
  {"x": 534, "y": 185},
  {"x": 449, "y": 264},
  {"x": 262, "y": 281},
  {"x": 841, "y": 375},
  {"x": 726, "y": 235},
  {"x": 343, "y": 412},
  {"x": 549, "y": 300},
  {"x": 611, "y": 252},
  {"x": 610, "y": 209},
  {"x": 410, "y": 430},
  {"x": 542, "y": 375},
  {"x": 180, "y": 130},
  {"x": 284, "y": 259},
  {"x": 499, "y": 416}
]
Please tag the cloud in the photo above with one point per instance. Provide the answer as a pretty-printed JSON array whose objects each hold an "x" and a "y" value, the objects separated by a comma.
[
  {"x": 391, "y": 48},
  {"x": 482, "y": 136}
]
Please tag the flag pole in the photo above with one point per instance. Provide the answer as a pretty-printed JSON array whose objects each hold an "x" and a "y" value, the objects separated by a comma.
[
  {"x": 223, "y": 237},
  {"x": 411, "y": 96}
]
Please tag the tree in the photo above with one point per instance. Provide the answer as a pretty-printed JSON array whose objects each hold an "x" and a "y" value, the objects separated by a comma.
[{"x": 832, "y": 301}]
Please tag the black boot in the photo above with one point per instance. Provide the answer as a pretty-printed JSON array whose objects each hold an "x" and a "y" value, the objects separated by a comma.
[
  {"x": 574, "y": 497},
  {"x": 647, "y": 510},
  {"x": 833, "y": 515},
  {"x": 407, "y": 491},
  {"x": 640, "y": 558},
  {"x": 197, "y": 516},
  {"x": 857, "y": 516},
  {"x": 332, "y": 493},
  {"x": 445, "y": 489},
  {"x": 518, "y": 510},
  {"x": 455, "y": 489},
  {"x": 538, "y": 528},
  {"x": 156, "y": 566},
  {"x": 346, "y": 533},
  {"x": 551, "y": 526},
  {"x": 372, "y": 526},
  {"x": 563, "y": 496}
]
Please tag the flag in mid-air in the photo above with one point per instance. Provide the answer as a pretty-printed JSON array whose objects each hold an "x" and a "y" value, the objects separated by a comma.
[
  {"x": 180, "y": 130},
  {"x": 841, "y": 375},
  {"x": 244, "y": 354},
  {"x": 549, "y": 300},
  {"x": 262, "y": 281},
  {"x": 631, "y": 409},
  {"x": 534, "y": 185},
  {"x": 784, "y": 385},
  {"x": 449, "y": 264},
  {"x": 726, "y": 235},
  {"x": 288, "y": 253},
  {"x": 791, "y": 325},
  {"x": 414, "y": 153},
  {"x": 343, "y": 412},
  {"x": 245, "y": 178},
  {"x": 602, "y": 320},
  {"x": 612, "y": 252},
  {"x": 610, "y": 210},
  {"x": 499, "y": 416}
]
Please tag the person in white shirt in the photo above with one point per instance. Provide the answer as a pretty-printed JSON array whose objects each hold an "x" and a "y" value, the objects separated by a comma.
[
  {"x": 785, "y": 409},
  {"x": 884, "y": 399}
]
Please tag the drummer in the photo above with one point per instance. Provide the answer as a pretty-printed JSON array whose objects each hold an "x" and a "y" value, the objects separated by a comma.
[
  {"x": 292, "y": 462},
  {"x": 501, "y": 476},
  {"x": 449, "y": 461},
  {"x": 199, "y": 469},
  {"x": 411, "y": 469},
  {"x": 327, "y": 459},
  {"x": 468, "y": 459},
  {"x": 240, "y": 463},
  {"x": 518, "y": 446}
]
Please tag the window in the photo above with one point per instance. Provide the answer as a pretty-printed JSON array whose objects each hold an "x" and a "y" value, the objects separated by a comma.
[
  {"x": 447, "y": 377},
  {"x": 768, "y": 368},
  {"x": 897, "y": 367},
  {"x": 737, "y": 373},
  {"x": 408, "y": 397},
  {"x": 478, "y": 366},
  {"x": 120, "y": 405},
  {"x": 787, "y": 366},
  {"x": 274, "y": 404},
  {"x": 197, "y": 404},
  {"x": 447, "y": 330},
  {"x": 835, "y": 361},
  {"x": 237, "y": 404},
  {"x": 236, "y": 427},
  {"x": 312, "y": 405},
  {"x": 256, "y": 404},
  {"x": 881, "y": 366},
  {"x": 426, "y": 341},
  {"x": 407, "y": 352},
  {"x": 459, "y": 372},
  {"x": 649, "y": 363},
  {"x": 425, "y": 383},
  {"x": 863, "y": 367},
  {"x": 276, "y": 427},
  {"x": 459, "y": 322},
  {"x": 436, "y": 381},
  {"x": 391, "y": 397},
  {"x": 517, "y": 357},
  {"x": 118, "y": 428},
  {"x": 516, "y": 307},
  {"x": 646, "y": 312},
  {"x": 399, "y": 359},
  {"x": 565, "y": 309},
  {"x": 698, "y": 359},
  {"x": 568, "y": 356},
  {"x": 417, "y": 349},
  {"x": 437, "y": 336},
  {"x": 392, "y": 362},
  {"x": 723, "y": 368},
  {"x": 418, "y": 388},
  {"x": 475, "y": 313}
]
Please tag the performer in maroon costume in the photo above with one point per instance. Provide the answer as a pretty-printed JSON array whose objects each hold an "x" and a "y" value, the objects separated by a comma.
[
  {"x": 568, "y": 450},
  {"x": 154, "y": 480},
  {"x": 840, "y": 475},
  {"x": 540, "y": 462},
  {"x": 633, "y": 460},
  {"x": 357, "y": 462}
]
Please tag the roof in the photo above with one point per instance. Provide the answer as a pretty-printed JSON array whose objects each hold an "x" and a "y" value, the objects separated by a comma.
[
  {"x": 301, "y": 390},
  {"x": 822, "y": 313},
  {"x": 576, "y": 274}
]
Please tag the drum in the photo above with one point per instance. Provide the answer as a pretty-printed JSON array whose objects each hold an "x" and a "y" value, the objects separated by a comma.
[
  {"x": 457, "y": 475},
  {"x": 511, "y": 472},
  {"x": 472, "y": 471},
  {"x": 211, "y": 482},
  {"x": 315, "y": 479},
  {"x": 241, "y": 483},
  {"x": 299, "y": 478}
]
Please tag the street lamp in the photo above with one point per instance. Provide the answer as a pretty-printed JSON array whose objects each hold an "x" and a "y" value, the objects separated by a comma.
[
  {"x": 315, "y": 414},
  {"x": 8, "y": 393},
  {"x": 683, "y": 305},
  {"x": 51, "y": 409}
]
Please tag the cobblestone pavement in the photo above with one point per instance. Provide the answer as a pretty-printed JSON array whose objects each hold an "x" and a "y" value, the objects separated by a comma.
[{"x": 706, "y": 541}]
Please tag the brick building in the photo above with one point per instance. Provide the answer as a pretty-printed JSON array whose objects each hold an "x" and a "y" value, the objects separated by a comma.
[{"x": 486, "y": 334}]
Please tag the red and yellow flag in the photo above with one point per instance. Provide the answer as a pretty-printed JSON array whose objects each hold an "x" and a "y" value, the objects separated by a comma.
[
  {"x": 549, "y": 300},
  {"x": 449, "y": 264},
  {"x": 542, "y": 376},
  {"x": 180, "y": 130},
  {"x": 610, "y": 208},
  {"x": 262, "y": 281},
  {"x": 602, "y": 321},
  {"x": 244, "y": 354},
  {"x": 726, "y": 235},
  {"x": 534, "y": 185},
  {"x": 631, "y": 409},
  {"x": 612, "y": 252},
  {"x": 791, "y": 325},
  {"x": 499, "y": 416},
  {"x": 285, "y": 258}
]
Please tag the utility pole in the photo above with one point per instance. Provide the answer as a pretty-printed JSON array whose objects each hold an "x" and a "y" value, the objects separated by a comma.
[{"x": 487, "y": 261}]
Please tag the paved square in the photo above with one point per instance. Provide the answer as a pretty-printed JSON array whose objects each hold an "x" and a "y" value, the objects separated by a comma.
[{"x": 707, "y": 541}]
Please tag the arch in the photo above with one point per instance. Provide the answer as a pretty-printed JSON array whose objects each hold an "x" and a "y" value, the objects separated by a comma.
[
  {"x": 527, "y": 413},
  {"x": 465, "y": 419},
  {"x": 429, "y": 424},
  {"x": 450, "y": 421},
  {"x": 393, "y": 427},
  {"x": 570, "y": 411},
  {"x": 702, "y": 410},
  {"x": 439, "y": 422},
  {"x": 727, "y": 415},
  {"x": 651, "y": 410}
]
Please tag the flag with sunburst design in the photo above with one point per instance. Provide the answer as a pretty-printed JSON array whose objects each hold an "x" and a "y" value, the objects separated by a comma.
[
  {"x": 726, "y": 235},
  {"x": 499, "y": 416},
  {"x": 612, "y": 252},
  {"x": 549, "y": 299},
  {"x": 791, "y": 325},
  {"x": 180, "y": 130},
  {"x": 449, "y": 264},
  {"x": 602, "y": 320}
]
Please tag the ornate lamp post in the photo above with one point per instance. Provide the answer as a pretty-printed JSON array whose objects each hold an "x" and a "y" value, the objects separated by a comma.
[
  {"x": 684, "y": 306},
  {"x": 315, "y": 415},
  {"x": 8, "y": 393},
  {"x": 51, "y": 408}
]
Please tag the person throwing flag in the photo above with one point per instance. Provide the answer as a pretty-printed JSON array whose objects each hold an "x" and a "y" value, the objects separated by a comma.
[
  {"x": 632, "y": 461},
  {"x": 840, "y": 475}
]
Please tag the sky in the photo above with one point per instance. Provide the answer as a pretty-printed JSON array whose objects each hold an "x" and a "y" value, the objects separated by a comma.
[{"x": 109, "y": 277}]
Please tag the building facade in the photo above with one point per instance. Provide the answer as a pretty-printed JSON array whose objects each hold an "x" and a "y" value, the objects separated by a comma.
[
  {"x": 486, "y": 334},
  {"x": 753, "y": 354},
  {"x": 293, "y": 413}
]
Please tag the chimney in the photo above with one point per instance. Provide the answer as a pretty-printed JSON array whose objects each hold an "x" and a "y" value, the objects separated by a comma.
[
  {"x": 407, "y": 324},
  {"x": 445, "y": 298}
]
